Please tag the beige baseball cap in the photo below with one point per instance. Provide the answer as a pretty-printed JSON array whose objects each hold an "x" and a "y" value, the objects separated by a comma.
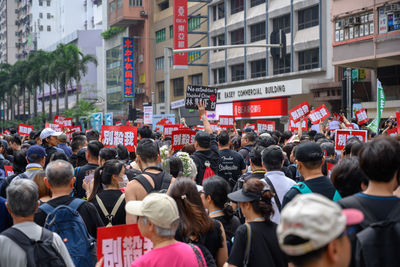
[
  {"x": 315, "y": 218},
  {"x": 160, "y": 209}
]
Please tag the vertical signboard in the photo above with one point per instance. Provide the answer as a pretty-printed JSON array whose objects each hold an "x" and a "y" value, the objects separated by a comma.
[
  {"x": 148, "y": 114},
  {"x": 180, "y": 24},
  {"x": 128, "y": 68},
  {"x": 108, "y": 118}
]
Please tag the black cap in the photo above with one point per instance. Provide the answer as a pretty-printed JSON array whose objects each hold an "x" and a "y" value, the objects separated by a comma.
[
  {"x": 272, "y": 154},
  {"x": 309, "y": 151},
  {"x": 243, "y": 195},
  {"x": 203, "y": 139}
]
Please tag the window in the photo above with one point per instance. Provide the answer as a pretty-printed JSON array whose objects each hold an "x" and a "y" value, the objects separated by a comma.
[
  {"x": 197, "y": 79},
  {"x": 258, "y": 68},
  {"x": 159, "y": 63},
  {"x": 219, "y": 75},
  {"x": 309, "y": 59},
  {"x": 178, "y": 86},
  {"x": 40, "y": 15},
  {"x": 161, "y": 93},
  {"x": 112, "y": 6},
  {"x": 41, "y": 28},
  {"x": 135, "y": 2},
  {"x": 160, "y": 35},
  {"x": 119, "y": 3},
  {"x": 48, "y": 28},
  {"x": 281, "y": 65},
  {"x": 218, "y": 11},
  {"x": 163, "y": 5},
  {"x": 48, "y": 15},
  {"x": 237, "y": 72},
  {"x": 48, "y": 3},
  {"x": 256, "y": 2},
  {"x": 355, "y": 26},
  {"x": 171, "y": 32},
  {"x": 218, "y": 40},
  {"x": 193, "y": 23},
  {"x": 308, "y": 17},
  {"x": 40, "y": 3},
  {"x": 236, "y": 6},
  {"x": 282, "y": 23},
  {"x": 237, "y": 36},
  {"x": 388, "y": 13},
  {"x": 257, "y": 32}
]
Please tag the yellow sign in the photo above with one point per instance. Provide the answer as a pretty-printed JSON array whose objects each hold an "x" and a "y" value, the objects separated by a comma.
[
  {"x": 142, "y": 78},
  {"x": 362, "y": 73}
]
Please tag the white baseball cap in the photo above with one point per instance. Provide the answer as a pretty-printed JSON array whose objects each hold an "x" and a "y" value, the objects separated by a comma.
[
  {"x": 316, "y": 219},
  {"x": 49, "y": 132}
]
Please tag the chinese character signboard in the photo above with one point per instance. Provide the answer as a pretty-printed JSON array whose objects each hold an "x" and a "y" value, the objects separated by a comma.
[
  {"x": 115, "y": 135},
  {"x": 362, "y": 116},
  {"x": 96, "y": 121},
  {"x": 319, "y": 114},
  {"x": 8, "y": 170},
  {"x": 299, "y": 111},
  {"x": 195, "y": 94},
  {"x": 337, "y": 117},
  {"x": 226, "y": 121},
  {"x": 168, "y": 129},
  {"x": 147, "y": 114},
  {"x": 265, "y": 126},
  {"x": 67, "y": 122},
  {"x": 108, "y": 117},
  {"x": 128, "y": 68},
  {"x": 160, "y": 120},
  {"x": 342, "y": 136},
  {"x": 55, "y": 126},
  {"x": 180, "y": 23},
  {"x": 24, "y": 129},
  {"x": 294, "y": 126},
  {"x": 121, "y": 245},
  {"x": 181, "y": 138}
]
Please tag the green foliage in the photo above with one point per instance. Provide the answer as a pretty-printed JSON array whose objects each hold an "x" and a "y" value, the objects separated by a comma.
[
  {"x": 82, "y": 109},
  {"x": 108, "y": 34}
]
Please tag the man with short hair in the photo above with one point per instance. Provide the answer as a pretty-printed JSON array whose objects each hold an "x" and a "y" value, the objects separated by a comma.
[
  {"x": 77, "y": 143},
  {"x": 314, "y": 232},
  {"x": 22, "y": 202},
  {"x": 60, "y": 179},
  {"x": 158, "y": 221},
  {"x": 62, "y": 143},
  {"x": 15, "y": 142},
  {"x": 144, "y": 132},
  {"x": 50, "y": 142},
  {"x": 310, "y": 158},
  {"x": 247, "y": 144},
  {"x": 92, "y": 135}
]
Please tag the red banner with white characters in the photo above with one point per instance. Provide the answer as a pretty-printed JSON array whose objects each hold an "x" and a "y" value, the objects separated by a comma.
[
  {"x": 251, "y": 126},
  {"x": 260, "y": 108},
  {"x": 55, "y": 126},
  {"x": 299, "y": 111},
  {"x": 73, "y": 129},
  {"x": 342, "y": 136},
  {"x": 24, "y": 129},
  {"x": 362, "y": 116},
  {"x": 319, "y": 114},
  {"x": 398, "y": 122},
  {"x": 8, "y": 170},
  {"x": 337, "y": 117},
  {"x": 226, "y": 121},
  {"x": 392, "y": 132},
  {"x": 181, "y": 138},
  {"x": 214, "y": 126},
  {"x": 294, "y": 126},
  {"x": 128, "y": 71},
  {"x": 180, "y": 24},
  {"x": 115, "y": 135},
  {"x": 329, "y": 168},
  {"x": 169, "y": 128},
  {"x": 265, "y": 126},
  {"x": 121, "y": 245},
  {"x": 67, "y": 122}
]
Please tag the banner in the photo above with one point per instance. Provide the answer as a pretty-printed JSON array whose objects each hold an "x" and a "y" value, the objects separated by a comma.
[
  {"x": 195, "y": 94},
  {"x": 294, "y": 126},
  {"x": 108, "y": 117},
  {"x": 251, "y": 126},
  {"x": 380, "y": 104},
  {"x": 8, "y": 170},
  {"x": 168, "y": 129},
  {"x": 226, "y": 121},
  {"x": 96, "y": 121},
  {"x": 392, "y": 132},
  {"x": 319, "y": 114},
  {"x": 265, "y": 126},
  {"x": 362, "y": 116},
  {"x": 147, "y": 114},
  {"x": 121, "y": 245},
  {"x": 128, "y": 71},
  {"x": 67, "y": 122},
  {"x": 337, "y": 117},
  {"x": 24, "y": 129},
  {"x": 299, "y": 111},
  {"x": 342, "y": 136},
  {"x": 180, "y": 24},
  {"x": 181, "y": 138},
  {"x": 329, "y": 168},
  {"x": 160, "y": 120},
  {"x": 214, "y": 126},
  {"x": 115, "y": 135},
  {"x": 398, "y": 122},
  {"x": 55, "y": 126}
]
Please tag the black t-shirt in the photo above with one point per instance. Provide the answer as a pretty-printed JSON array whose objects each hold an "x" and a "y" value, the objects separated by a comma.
[
  {"x": 264, "y": 246},
  {"x": 230, "y": 226},
  {"x": 321, "y": 185},
  {"x": 87, "y": 211},
  {"x": 109, "y": 199},
  {"x": 80, "y": 174},
  {"x": 231, "y": 165}
]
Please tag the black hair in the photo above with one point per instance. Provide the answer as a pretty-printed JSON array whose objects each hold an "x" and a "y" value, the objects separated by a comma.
[
  {"x": 218, "y": 189},
  {"x": 286, "y": 136},
  {"x": 250, "y": 136},
  {"x": 123, "y": 153},
  {"x": 93, "y": 149},
  {"x": 223, "y": 138},
  {"x": 76, "y": 134},
  {"x": 265, "y": 141},
  {"x": 355, "y": 148},
  {"x": 318, "y": 136},
  {"x": 16, "y": 139},
  {"x": 108, "y": 153},
  {"x": 256, "y": 155},
  {"x": 92, "y": 135},
  {"x": 329, "y": 148},
  {"x": 312, "y": 134},
  {"x": 145, "y": 132},
  {"x": 78, "y": 142},
  {"x": 58, "y": 155},
  {"x": 236, "y": 142},
  {"x": 147, "y": 150},
  {"x": 302, "y": 260},
  {"x": 349, "y": 143},
  {"x": 272, "y": 163},
  {"x": 33, "y": 135},
  {"x": 175, "y": 166},
  {"x": 19, "y": 163},
  {"x": 288, "y": 148}
]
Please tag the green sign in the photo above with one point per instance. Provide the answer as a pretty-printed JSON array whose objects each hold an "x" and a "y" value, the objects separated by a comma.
[{"x": 374, "y": 125}]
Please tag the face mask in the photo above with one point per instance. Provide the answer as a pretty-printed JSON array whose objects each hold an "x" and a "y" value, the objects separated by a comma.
[{"x": 124, "y": 182}]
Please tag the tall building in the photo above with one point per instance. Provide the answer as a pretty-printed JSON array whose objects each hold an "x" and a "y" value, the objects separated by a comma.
[
  {"x": 8, "y": 38},
  {"x": 366, "y": 39},
  {"x": 252, "y": 83}
]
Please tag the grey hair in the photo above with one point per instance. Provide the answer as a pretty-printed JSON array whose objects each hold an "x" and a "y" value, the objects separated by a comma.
[
  {"x": 164, "y": 232},
  {"x": 59, "y": 173},
  {"x": 22, "y": 197}
]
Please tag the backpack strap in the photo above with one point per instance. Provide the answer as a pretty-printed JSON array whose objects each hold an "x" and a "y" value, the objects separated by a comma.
[
  {"x": 46, "y": 208},
  {"x": 76, "y": 203},
  {"x": 166, "y": 181},
  {"x": 144, "y": 182},
  {"x": 24, "y": 242},
  {"x": 200, "y": 261},
  {"x": 337, "y": 196},
  {"x": 248, "y": 243},
  {"x": 302, "y": 188},
  {"x": 394, "y": 215},
  {"x": 276, "y": 198},
  {"x": 76, "y": 172},
  {"x": 114, "y": 210}
]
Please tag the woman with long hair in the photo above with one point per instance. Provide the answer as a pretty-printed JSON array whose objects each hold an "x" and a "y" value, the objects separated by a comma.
[
  {"x": 196, "y": 226},
  {"x": 44, "y": 191},
  {"x": 106, "y": 194},
  {"x": 255, "y": 243}
]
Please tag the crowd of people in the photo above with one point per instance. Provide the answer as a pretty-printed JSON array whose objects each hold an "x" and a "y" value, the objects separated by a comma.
[{"x": 233, "y": 198}]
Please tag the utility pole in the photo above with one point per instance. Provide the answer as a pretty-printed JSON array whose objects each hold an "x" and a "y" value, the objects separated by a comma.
[{"x": 349, "y": 95}]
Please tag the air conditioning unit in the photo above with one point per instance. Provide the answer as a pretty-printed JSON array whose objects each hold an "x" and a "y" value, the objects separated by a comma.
[
  {"x": 140, "y": 58},
  {"x": 143, "y": 13}
]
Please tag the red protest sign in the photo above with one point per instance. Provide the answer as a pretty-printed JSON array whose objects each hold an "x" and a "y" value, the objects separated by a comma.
[
  {"x": 319, "y": 114},
  {"x": 265, "y": 126},
  {"x": 362, "y": 116},
  {"x": 8, "y": 170},
  {"x": 67, "y": 122},
  {"x": 398, "y": 122},
  {"x": 392, "y": 132},
  {"x": 24, "y": 129},
  {"x": 55, "y": 126},
  {"x": 294, "y": 126},
  {"x": 342, "y": 136},
  {"x": 169, "y": 128},
  {"x": 73, "y": 129},
  {"x": 329, "y": 168},
  {"x": 200, "y": 128},
  {"x": 121, "y": 245},
  {"x": 180, "y": 24},
  {"x": 337, "y": 117},
  {"x": 115, "y": 135},
  {"x": 226, "y": 121},
  {"x": 181, "y": 138},
  {"x": 251, "y": 126},
  {"x": 299, "y": 111}
]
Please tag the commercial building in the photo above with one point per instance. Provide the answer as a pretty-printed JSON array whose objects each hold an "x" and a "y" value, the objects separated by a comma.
[{"x": 8, "y": 36}]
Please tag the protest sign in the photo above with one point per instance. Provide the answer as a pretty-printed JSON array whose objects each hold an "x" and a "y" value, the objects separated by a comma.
[
  {"x": 329, "y": 168},
  {"x": 115, "y": 135},
  {"x": 8, "y": 170},
  {"x": 168, "y": 129},
  {"x": 299, "y": 111},
  {"x": 294, "y": 126},
  {"x": 392, "y": 132},
  {"x": 251, "y": 126},
  {"x": 226, "y": 121},
  {"x": 24, "y": 129},
  {"x": 214, "y": 126},
  {"x": 398, "y": 122},
  {"x": 159, "y": 120},
  {"x": 319, "y": 114},
  {"x": 181, "y": 138},
  {"x": 265, "y": 126},
  {"x": 362, "y": 116},
  {"x": 121, "y": 245},
  {"x": 55, "y": 126},
  {"x": 67, "y": 122},
  {"x": 148, "y": 114},
  {"x": 108, "y": 117},
  {"x": 342, "y": 136},
  {"x": 195, "y": 94},
  {"x": 337, "y": 117}
]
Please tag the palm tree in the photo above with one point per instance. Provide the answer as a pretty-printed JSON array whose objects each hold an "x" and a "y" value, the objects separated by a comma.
[
  {"x": 37, "y": 61},
  {"x": 56, "y": 70},
  {"x": 82, "y": 69}
]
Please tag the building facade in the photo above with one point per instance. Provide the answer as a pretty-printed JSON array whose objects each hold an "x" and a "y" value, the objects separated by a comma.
[{"x": 8, "y": 36}]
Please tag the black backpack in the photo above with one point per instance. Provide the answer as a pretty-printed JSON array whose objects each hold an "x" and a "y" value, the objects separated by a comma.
[
  {"x": 38, "y": 253},
  {"x": 161, "y": 180}
]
